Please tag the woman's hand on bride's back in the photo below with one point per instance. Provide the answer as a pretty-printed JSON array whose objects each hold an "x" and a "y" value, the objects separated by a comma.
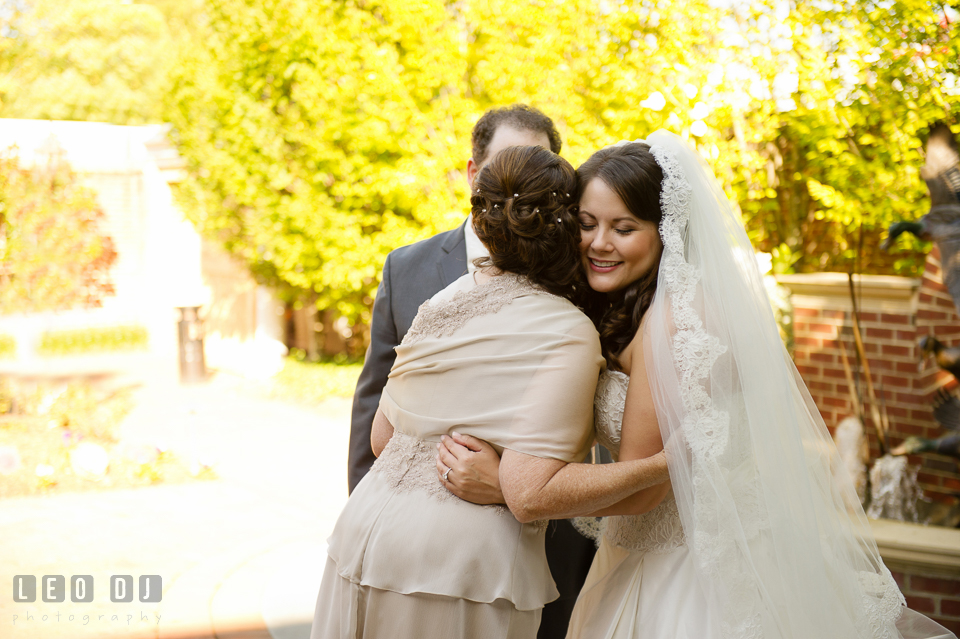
[{"x": 474, "y": 469}]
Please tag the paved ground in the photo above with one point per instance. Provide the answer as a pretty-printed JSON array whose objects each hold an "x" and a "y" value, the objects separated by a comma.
[{"x": 239, "y": 557}]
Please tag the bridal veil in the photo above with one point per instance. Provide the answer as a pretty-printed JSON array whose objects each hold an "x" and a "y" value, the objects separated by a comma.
[{"x": 782, "y": 546}]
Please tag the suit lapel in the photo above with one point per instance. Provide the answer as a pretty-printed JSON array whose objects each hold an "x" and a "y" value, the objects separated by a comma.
[{"x": 453, "y": 260}]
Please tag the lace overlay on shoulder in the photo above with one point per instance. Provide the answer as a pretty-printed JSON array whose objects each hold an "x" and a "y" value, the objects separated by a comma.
[{"x": 445, "y": 318}]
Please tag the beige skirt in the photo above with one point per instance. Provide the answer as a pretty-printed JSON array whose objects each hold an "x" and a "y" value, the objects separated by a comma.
[{"x": 346, "y": 610}]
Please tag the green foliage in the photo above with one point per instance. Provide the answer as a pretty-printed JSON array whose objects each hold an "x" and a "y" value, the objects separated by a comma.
[
  {"x": 313, "y": 383},
  {"x": 844, "y": 162},
  {"x": 8, "y": 348},
  {"x": 92, "y": 340},
  {"x": 184, "y": 18},
  {"x": 320, "y": 134},
  {"x": 54, "y": 254},
  {"x": 84, "y": 60}
]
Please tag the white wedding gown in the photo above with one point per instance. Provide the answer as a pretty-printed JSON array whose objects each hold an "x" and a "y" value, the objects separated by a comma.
[
  {"x": 642, "y": 584},
  {"x": 778, "y": 547}
]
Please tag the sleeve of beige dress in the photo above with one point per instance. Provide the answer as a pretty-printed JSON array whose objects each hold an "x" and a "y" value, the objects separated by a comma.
[{"x": 554, "y": 417}]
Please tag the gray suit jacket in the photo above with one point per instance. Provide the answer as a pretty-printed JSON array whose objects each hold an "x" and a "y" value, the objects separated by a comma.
[{"x": 411, "y": 275}]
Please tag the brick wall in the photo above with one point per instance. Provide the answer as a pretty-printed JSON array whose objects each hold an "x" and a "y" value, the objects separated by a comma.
[
  {"x": 937, "y": 597},
  {"x": 894, "y": 314}
]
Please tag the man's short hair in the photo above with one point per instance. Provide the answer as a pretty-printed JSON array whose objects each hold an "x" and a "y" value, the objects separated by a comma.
[{"x": 518, "y": 116}]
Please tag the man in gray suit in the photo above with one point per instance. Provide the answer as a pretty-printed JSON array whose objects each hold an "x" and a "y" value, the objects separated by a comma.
[{"x": 411, "y": 275}]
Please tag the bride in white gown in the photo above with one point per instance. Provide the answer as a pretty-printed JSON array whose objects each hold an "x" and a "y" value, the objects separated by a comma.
[
  {"x": 755, "y": 537},
  {"x": 643, "y": 581}
]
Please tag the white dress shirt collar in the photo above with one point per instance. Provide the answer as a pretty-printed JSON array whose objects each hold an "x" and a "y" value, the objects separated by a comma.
[{"x": 475, "y": 248}]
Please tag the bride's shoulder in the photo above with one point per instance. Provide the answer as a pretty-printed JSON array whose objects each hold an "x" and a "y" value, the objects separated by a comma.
[{"x": 632, "y": 354}]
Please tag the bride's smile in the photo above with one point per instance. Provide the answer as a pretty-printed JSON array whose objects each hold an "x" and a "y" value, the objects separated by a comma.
[{"x": 617, "y": 247}]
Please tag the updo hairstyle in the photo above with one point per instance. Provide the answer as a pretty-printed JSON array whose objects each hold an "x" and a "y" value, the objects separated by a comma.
[
  {"x": 630, "y": 171},
  {"x": 524, "y": 207}
]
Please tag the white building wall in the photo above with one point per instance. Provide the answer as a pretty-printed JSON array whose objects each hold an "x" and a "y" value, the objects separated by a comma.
[{"x": 162, "y": 263}]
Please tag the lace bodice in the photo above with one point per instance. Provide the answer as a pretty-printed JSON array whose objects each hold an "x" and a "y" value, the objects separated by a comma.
[
  {"x": 608, "y": 409},
  {"x": 658, "y": 531}
]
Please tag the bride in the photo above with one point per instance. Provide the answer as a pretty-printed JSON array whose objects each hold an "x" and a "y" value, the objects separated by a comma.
[{"x": 755, "y": 538}]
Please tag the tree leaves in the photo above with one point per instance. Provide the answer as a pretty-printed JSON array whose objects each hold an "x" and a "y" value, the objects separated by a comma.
[
  {"x": 54, "y": 254},
  {"x": 321, "y": 134},
  {"x": 324, "y": 137},
  {"x": 85, "y": 60}
]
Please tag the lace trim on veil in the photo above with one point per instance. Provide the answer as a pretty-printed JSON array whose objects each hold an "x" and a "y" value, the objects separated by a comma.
[
  {"x": 694, "y": 350},
  {"x": 707, "y": 433},
  {"x": 705, "y": 429}
]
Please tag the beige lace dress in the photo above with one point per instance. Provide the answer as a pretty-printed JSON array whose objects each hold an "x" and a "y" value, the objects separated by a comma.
[{"x": 502, "y": 361}]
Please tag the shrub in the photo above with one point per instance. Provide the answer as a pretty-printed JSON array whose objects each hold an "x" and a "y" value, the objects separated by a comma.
[
  {"x": 72, "y": 342},
  {"x": 8, "y": 346}
]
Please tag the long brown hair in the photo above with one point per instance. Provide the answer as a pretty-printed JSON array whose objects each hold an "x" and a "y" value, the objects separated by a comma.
[
  {"x": 524, "y": 211},
  {"x": 630, "y": 171}
]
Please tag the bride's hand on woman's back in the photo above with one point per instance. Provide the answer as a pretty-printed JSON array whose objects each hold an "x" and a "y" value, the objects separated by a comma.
[{"x": 473, "y": 465}]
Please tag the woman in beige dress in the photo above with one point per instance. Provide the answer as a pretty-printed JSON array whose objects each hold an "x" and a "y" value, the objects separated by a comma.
[{"x": 502, "y": 355}]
